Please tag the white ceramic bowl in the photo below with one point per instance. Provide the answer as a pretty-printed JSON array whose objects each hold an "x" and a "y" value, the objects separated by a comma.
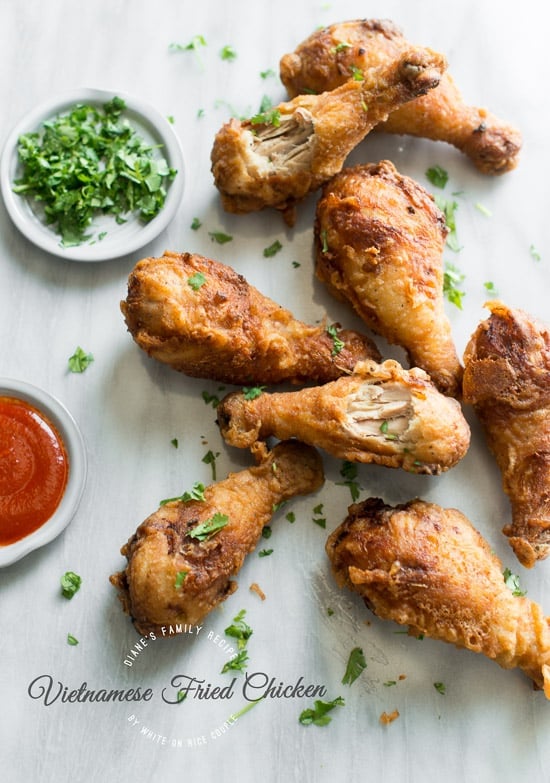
[
  {"x": 120, "y": 239},
  {"x": 67, "y": 428}
]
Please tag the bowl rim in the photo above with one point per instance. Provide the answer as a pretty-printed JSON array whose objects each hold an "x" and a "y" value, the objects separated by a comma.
[
  {"x": 109, "y": 248},
  {"x": 59, "y": 416}
]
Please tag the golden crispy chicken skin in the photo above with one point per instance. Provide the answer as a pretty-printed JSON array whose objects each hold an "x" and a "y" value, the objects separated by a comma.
[
  {"x": 379, "y": 240},
  {"x": 335, "y": 54},
  {"x": 300, "y": 144},
  {"x": 178, "y": 574},
  {"x": 203, "y": 319},
  {"x": 507, "y": 380},
  {"x": 427, "y": 567},
  {"x": 382, "y": 414}
]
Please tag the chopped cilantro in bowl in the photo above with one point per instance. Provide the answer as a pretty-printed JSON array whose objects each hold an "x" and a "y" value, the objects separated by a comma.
[{"x": 92, "y": 175}]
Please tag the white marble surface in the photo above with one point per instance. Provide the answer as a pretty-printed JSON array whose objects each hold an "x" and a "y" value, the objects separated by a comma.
[{"x": 490, "y": 725}]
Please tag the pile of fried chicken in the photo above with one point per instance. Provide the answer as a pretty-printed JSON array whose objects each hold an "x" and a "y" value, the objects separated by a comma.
[{"x": 378, "y": 245}]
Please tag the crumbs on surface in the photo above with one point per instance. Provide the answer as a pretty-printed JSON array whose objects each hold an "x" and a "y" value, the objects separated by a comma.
[
  {"x": 388, "y": 717},
  {"x": 255, "y": 588}
]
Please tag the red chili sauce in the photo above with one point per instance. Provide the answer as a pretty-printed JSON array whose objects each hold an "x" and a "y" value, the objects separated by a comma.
[{"x": 33, "y": 469}]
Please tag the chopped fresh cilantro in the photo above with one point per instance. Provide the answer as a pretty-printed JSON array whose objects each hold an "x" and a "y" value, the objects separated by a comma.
[
  {"x": 512, "y": 582},
  {"x": 483, "y": 209},
  {"x": 452, "y": 278},
  {"x": 265, "y": 552},
  {"x": 357, "y": 74},
  {"x": 337, "y": 344},
  {"x": 356, "y": 664},
  {"x": 237, "y": 663},
  {"x": 440, "y": 687},
  {"x": 196, "y": 281},
  {"x": 80, "y": 360},
  {"x": 266, "y": 531},
  {"x": 534, "y": 253},
  {"x": 490, "y": 288},
  {"x": 330, "y": 611},
  {"x": 384, "y": 429},
  {"x": 291, "y": 517},
  {"x": 180, "y": 578},
  {"x": 228, "y": 53},
  {"x": 239, "y": 630},
  {"x": 340, "y": 47},
  {"x": 318, "y": 714},
  {"x": 251, "y": 392},
  {"x": 324, "y": 242},
  {"x": 437, "y": 176},
  {"x": 195, "y": 493},
  {"x": 70, "y": 584},
  {"x": 348, "y": 471},
  {"x": 210, "y": 459},
  {"x": 196, "y": 224},
  {"x": 193, "y": 45},
  {"x": 175, "y": 443},
  {"x": 210, "y": 399},
  {"x": 268, "y": 73},
  {"x": 296, "y": 264},
  {"x": 72, "y": 640},
  {"x": 220, "y": 237},
  {"x": 389, "y": 683},
  {"x": 321, "y": 521},
  {"x": 270, "y": 117},
  {"x": 87, "y": 162},
  {"x": 182, "y": 695},
  {"x": 273, "y": 249},
  {"x": 209, "y": 527},
  {"x": 449, "y": 208}
]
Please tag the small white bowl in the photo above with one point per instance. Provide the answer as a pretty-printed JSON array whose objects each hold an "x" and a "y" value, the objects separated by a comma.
[
  {"x": 67, "y": 428},
  {"x": 120, "y": 239}
]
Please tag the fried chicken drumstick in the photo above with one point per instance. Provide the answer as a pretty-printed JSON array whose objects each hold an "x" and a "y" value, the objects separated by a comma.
[
  {"x": 333, "y": 55},
  {"x": 427, "y": 567},
  {"x": 379, "y": 240},
  {"x": 277, "y": 158},
  {"x": 507, "y": 380},
  {"x": 182, "y": 557},
  {"x": 203, "y": 319},
  {"x": 382, "y": 414}
]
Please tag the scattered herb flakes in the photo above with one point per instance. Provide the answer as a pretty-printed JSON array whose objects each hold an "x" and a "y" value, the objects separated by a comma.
[
  {"x": 210, "y": 459},
  {"x": 357, "y": 74},
  {"x": 182, "y": 695},
  {"x": 440, "y": 688},
  {"x": 321, "y": 521},
  {"x": 265, "y": 552},
  {"x": 220, "y": 237},
  {"x": 268, "y": 73},
  {"x": 266, "y": 531},
  {"x": 270, "y": 117},
  {"x": 196, "y": 224},
  {"x": 180, "y": 578},
  {"x": 512, "y": 582},
  {"x": 272, "y": 249},
  {"x": 237, "y": 663},
  {"x": 330, "y": 611},
  {"x": 209, "y": 527},
  {"x": 490, "y": 287},
  {"x": 72, "y": 640},
  {"x": 534, "y": 253},
  {"x": 324, "y": 241},
  {"x": 195, "y": 493},
  {"x": 452, "y": 279},
  {"x": 449, "y": 207},
  {"x": 483, "y": 209},
  {"x": 239, "y": 630},
  {"x": 291, "y": 517},
  {"x": 318, "y": 715},
  {"x": 384, "y": 429},
  {"x": 356, "y": 664},
  {"x": 349, "y": 473},
  {"x": 80, "y": 360},
  {"x": 251, "y": 392},
  {"x": 196, "y": 281},
  {"x": 70, "y": 584},
  {"x": 195, "y": 43},
  {"x": 340, "y": 47},
  {"x": 337, "y": 343},
  {"x": 437, "y": 176},
  {"x": 87, "y": 162},
  {"x": 296, "y": 264},
  {"x": 227, "y": 52},
  {"x": 210, "y": 399},
  {"x": 390, "y": 683}
]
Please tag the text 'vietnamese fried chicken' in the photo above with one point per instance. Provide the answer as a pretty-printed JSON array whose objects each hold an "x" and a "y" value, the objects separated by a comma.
[
  {"x": 379, "y": 240},
  {"x": 427, "y": 567},
  {"x": 276, "y": 158},
  {"x": 182, "y": 557},
  {"x": 507, "y": 380},
  {"x": 381, "y": 414},
  {"x": 333, "y": 55},
  {"x": 202, "y": 318}
]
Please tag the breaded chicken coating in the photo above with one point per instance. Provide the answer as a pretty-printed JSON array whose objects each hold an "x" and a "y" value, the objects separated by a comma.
[
  {"x": 277, "y": 158},
  {"x": 427, "y": 567},
  {"x": 381, "y": 413},
  {"x": 202, "y": 318},
  {"x": 379, "y": 240},
  {"x": 333, "y": 55},
  {"x": 182, "y": 558},
  {"x": 507, "y": 380}
]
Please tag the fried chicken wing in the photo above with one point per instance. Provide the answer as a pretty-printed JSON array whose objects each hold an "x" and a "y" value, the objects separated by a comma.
[
  {"x": 203, "y": 319},
  {"x": 379, "y": 240},
  {"x": 333, "y": 55},
  {"x": 507, "y": 380},
  {"x": 427, "y": 567},
  {"x": 277, "y": 158},
  {"x": 182, "y": 557},
  {"x": 381, "y": 413}
]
